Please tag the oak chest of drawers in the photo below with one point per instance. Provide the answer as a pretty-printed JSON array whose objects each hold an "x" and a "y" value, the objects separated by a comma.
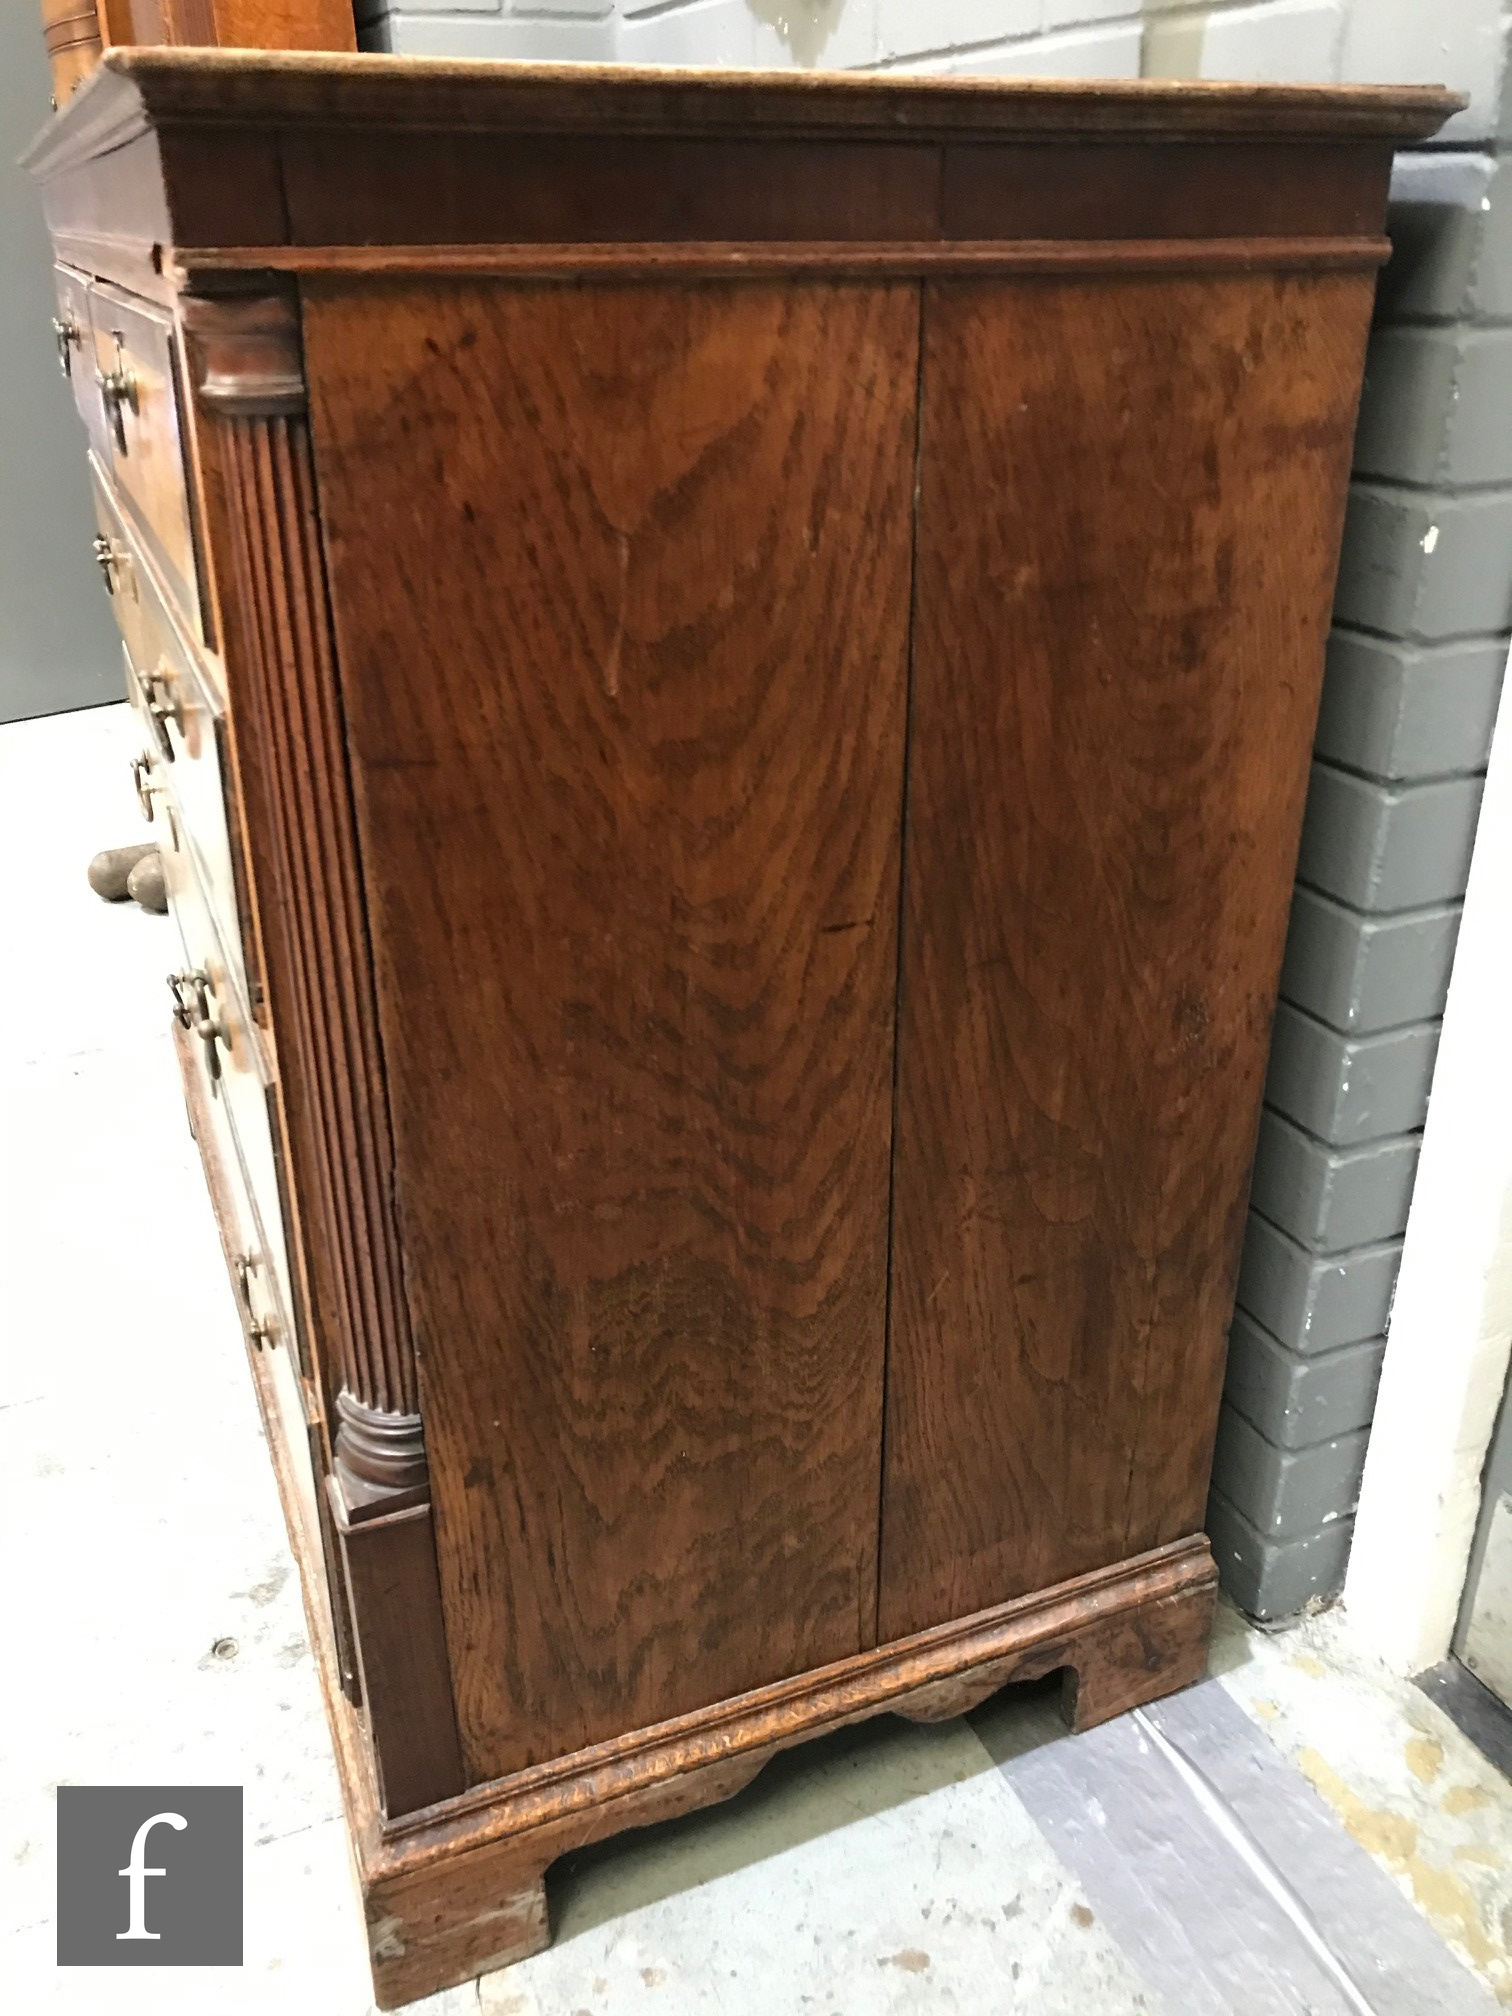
[{"x": 726, "y": 669}]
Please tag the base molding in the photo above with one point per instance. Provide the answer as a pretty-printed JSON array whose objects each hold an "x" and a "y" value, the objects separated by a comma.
[{"x": 459, "y": 1888}]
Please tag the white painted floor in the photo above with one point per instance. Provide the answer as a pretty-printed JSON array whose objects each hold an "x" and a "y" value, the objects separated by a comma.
[{"x": 157, "y": 1637}]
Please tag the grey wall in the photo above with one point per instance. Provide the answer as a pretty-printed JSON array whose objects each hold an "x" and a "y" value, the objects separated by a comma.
[
  {"x": 1421, "y": 625},
  {"x": 58, "y": 646}
]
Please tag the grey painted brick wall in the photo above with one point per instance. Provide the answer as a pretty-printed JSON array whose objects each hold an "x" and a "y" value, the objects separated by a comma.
[
  {"x": 1423, "y": 610},
  {"x": 1422, "y": 618}
]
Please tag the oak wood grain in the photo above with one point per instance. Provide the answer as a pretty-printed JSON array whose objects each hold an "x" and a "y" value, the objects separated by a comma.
[
  {"x": 451, "y": 1893},
  {"x": 576, "y": 843},
  {"x": 238, "y": 24},
  {"x": 390, "y": 1581},
  {"x": 628, "y": 802},
  {"x": 1132, "y": 496}
]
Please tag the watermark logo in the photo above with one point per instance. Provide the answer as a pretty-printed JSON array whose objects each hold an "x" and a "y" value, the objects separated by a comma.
[{"x": 149, "y": 1875}]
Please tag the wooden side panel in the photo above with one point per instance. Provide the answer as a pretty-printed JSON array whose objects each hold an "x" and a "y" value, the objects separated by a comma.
[
  {"x": 621, "y": 586},
  {"x": 285, "y": 24},
  {"x": 1132, "y": 495}
]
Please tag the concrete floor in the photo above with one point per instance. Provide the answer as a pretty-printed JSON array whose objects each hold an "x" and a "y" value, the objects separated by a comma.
[{"x": 1301, "y": 1834}]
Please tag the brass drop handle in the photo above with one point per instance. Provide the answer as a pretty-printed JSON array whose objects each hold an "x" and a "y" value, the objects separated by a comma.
[
  {"x": 66, "y": 333},
  {"x": 118, "y": 389},
  {"x": 194, "y": 1010},
  {"x": 258, "y": 1331},
  {"x": 162, "y": 707},
  {"x": 146, "y": 790},
  {"x": 106, "y": 560}
]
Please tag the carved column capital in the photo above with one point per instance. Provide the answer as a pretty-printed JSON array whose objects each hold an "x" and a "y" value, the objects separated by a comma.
[
  {"x": 245, "y": 356},
  {"x": 380, "y": 1456}
]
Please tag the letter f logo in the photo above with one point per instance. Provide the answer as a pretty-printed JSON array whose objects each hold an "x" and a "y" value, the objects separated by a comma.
[{"x": 136, "y": 1873}]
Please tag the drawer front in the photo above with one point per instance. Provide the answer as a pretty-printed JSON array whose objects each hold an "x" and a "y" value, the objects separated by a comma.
[
  {"x": 137, "y": 373},
  {"x": 259, "y": 1297},
  {"x": 74, "y": 333},
  {"x": 230, "y": 1056},
  {"x": 184, "y": 731},
  {"x": 260, "y": 1300},
  {"x": 123, "y": 576}
]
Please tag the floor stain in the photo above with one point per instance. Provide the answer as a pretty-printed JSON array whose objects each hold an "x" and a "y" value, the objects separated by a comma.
[
  {"x": 1440, "y": 1894},
  {"x": 1080, "y": 1915},
  {"x": 911, "y": 1960},
  {"x": 1265, "y": 1711},
  {"x": 652, "y": 1976},
  {"x": 1313, "y": 1668},
  {"x": 1480, "y": 1852},
  {"x": 1464, "y": 1799},
  {"x": 1425, "y": 1758},
  {"x": 262, "y": 1593}
]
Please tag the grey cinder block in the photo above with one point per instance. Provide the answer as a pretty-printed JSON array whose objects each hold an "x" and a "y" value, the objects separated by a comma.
[
  {"x": 1293, "y": 1400},
  {"x": 1349, "y": 1089},
  {"x": 1491, "y": 286},
  {"x": 1316, "y": 1301},
  {"x": 1287, "y": 1493},
  {"x": 1423, "y": 565},
  {"x": 1330, "y": 1198},
  {"x": 489, "y": 32},
  {"x": 1406, "y": 710},
  {"x": 1387, "y": 846},
  {"x": 1437, "y": 225},
  {"x": 1435, "y": 407},
  {"x": 1364, "y": 974},
  {"x": 1271, "y": 1578},
  {"x": 1297, "y": 41}
]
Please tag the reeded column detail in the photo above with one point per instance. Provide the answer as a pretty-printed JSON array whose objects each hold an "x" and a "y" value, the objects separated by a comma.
[{"x": 246, "y": 366}]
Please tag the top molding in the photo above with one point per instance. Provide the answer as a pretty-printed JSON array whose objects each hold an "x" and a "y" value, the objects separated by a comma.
[{"x": 139, "y": 89}]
